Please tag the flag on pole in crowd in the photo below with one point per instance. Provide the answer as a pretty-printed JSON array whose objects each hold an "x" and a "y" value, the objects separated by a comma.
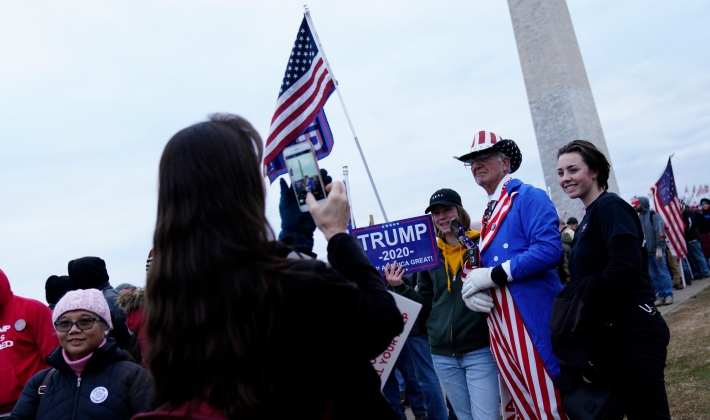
[
  {"x": 306, "y": 86},
  {"x": 318, "y": 133},
  {"x": 665, "y": 201}
]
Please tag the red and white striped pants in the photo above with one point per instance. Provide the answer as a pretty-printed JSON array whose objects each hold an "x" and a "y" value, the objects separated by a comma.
[{"x": 526, "y": 390}]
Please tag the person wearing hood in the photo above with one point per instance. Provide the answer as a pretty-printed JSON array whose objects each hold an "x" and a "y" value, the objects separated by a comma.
[
  {"x": 130, "y": 300},
  {"x": 90, "y": 377},
  {"x": 90, "y": 273},
  {"x": 655, "y": 235},
  {"x": 54, "y": 288},
  {"x": 26, "y": 338}
]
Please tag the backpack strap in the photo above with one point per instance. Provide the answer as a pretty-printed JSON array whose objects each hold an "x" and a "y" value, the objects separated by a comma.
[{"x": 45, "y": 381}]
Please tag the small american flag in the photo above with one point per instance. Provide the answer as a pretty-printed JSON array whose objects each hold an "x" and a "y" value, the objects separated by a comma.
[
  {"x": 665, "y": 201},
  {"x": 306, "y": 86}
]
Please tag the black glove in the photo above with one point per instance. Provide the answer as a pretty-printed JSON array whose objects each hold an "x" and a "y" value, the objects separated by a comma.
[{"x": 297, "y": 227}]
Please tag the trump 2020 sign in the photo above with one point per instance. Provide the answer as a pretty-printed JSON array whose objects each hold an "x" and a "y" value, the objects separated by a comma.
[{"x": 410, "y": 242}]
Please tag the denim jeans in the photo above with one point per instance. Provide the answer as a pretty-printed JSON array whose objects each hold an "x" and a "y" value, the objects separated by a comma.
[
  {"x": 405, "y": 366},
  {"x": 428, "y": 380},
  {"x": 697, "y": 260},
  {"x": 686, "y": 272},
  {"x": 471, "y": 383},
  {"x": 660, "y": 277}
]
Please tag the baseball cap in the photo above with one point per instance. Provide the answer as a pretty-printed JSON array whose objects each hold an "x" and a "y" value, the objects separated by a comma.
[{"x": 445, "y": 197}]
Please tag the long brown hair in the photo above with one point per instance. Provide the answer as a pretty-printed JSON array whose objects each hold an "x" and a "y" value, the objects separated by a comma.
[{"x": 208, "y": 313}]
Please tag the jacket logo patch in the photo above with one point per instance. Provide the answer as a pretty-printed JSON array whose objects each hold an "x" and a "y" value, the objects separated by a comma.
[{"x": 99, "y": 395}]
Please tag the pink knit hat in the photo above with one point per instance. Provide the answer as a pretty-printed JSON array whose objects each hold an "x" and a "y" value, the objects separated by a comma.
[{"x": 91, "y": 300}]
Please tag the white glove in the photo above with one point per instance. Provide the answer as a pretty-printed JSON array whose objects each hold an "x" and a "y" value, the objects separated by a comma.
[
  {"x": 477, "y": 280},
  {"x": 659, "y": 254},
  {"x": 479, "y": 302}
]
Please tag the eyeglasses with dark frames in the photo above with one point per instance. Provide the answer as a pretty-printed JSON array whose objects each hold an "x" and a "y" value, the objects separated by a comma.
[
  {"x": 480, "y": 159},
  {"x": 82, "y": 324}
]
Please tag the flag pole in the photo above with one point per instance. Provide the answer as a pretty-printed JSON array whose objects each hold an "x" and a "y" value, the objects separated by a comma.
[
  {"x": 347, "y": 116},
  {"x": 350, "y": 200}
]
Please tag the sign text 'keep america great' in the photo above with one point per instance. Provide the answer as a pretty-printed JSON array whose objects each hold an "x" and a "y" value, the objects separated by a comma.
[{"x": 410, "y": 242}]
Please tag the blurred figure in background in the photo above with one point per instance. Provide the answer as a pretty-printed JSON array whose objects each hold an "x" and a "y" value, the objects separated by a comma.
[
  {"x": 90, "y": 273},
  {"x": 654, "y": 233},
  {"x": 91, "y": 378},
  {"x": 55, "y": 287},
  {"x": 26, "y": 338}
]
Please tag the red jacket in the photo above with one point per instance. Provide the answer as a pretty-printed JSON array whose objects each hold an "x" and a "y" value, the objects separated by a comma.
[
  {"x": 134, "y": 321},
  {"x": 27, "y": 336}
]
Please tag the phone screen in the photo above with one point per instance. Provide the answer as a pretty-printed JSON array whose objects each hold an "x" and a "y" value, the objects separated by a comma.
[{"x": 304, "y": 173}]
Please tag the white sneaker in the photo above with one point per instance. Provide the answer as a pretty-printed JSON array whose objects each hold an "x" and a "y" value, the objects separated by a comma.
[
  {"x": 659, "y": 302},
  {"x": 668, "y": 300}
]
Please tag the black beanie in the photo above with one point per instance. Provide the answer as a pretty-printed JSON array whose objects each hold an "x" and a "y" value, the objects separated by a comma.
[
  {"x": 56, "y": 287},
  {"x": 88, "y": 273}
]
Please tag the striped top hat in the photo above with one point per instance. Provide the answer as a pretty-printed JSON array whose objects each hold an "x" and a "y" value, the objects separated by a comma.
[{"x": 490, "y": 141}]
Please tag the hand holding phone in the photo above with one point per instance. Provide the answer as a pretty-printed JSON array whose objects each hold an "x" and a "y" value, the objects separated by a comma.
[
  {"x": 332, "y": 214},
  {"x": 302, "y": 167}
]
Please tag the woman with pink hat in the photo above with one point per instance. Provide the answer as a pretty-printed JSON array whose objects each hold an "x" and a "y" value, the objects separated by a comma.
[{"x": 90, "y": 377}]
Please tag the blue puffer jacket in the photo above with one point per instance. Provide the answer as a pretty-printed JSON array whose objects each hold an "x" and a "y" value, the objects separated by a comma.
[{"x": 111, "y": 387}]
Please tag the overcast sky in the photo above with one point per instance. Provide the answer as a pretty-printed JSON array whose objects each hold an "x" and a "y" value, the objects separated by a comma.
[{"x": 90, "y": 92}]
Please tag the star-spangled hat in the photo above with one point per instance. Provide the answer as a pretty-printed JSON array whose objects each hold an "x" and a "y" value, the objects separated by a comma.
[{"x": 487, "y": 140}]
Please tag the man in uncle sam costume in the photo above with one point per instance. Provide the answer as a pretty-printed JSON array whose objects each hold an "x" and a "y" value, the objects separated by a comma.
[{"x": 517, "y": 280}]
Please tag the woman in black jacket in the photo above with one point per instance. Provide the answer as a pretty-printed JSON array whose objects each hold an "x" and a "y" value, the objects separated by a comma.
[
  {"x": 609, "y": 271},
  {"x": 90, "y": 377},
  {"x": 236, "y": 330}
]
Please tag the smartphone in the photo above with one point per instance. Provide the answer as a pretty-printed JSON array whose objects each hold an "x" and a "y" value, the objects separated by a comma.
[{"x": 302, "y": 167}]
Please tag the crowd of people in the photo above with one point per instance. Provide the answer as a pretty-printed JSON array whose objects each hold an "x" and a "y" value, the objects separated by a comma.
[{"x": 234, "y": 324}]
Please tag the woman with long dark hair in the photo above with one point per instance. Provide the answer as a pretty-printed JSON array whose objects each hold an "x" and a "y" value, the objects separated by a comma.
[
  {"x": 235, "y": 330},
  {"x": 609, "y": 270}
]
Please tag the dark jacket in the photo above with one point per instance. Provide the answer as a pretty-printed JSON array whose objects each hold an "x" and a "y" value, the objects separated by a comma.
[
  {"x": 127, "y": 384},
  {"x": 691, "y": 226},
  {"x": 705, "y": 237},
  {"x": 90, "y": 273},
  {"x": 453, "y": 329},
  {"x": 331, "y": 322}
]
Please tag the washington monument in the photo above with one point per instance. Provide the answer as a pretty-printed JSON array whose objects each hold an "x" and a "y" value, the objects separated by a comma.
[{"x": 561, "y": 101}]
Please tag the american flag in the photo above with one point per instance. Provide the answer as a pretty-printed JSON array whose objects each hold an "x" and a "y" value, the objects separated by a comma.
[
  {"x": 665, "y": 201},
  {"x": 318, "y": 133},
  {"x": 306, "y": 86}
]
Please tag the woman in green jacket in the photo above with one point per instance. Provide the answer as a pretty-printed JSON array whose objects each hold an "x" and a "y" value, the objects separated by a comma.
[{"x": 458, "y": 336}]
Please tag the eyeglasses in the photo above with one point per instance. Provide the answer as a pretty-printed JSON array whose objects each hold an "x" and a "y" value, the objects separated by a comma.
[
  {"x": 480, "y": 159},
  {"x": 82, "y": 324}
]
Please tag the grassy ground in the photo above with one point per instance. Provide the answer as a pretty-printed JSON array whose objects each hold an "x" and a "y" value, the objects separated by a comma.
[{"x": 688, "y": 363}]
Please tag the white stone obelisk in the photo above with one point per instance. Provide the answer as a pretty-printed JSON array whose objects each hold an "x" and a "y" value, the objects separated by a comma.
[{"x": 561, "y": 101}]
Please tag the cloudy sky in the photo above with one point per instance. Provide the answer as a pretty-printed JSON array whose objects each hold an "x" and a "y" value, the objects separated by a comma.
[{"x": 90, "y": 92}]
